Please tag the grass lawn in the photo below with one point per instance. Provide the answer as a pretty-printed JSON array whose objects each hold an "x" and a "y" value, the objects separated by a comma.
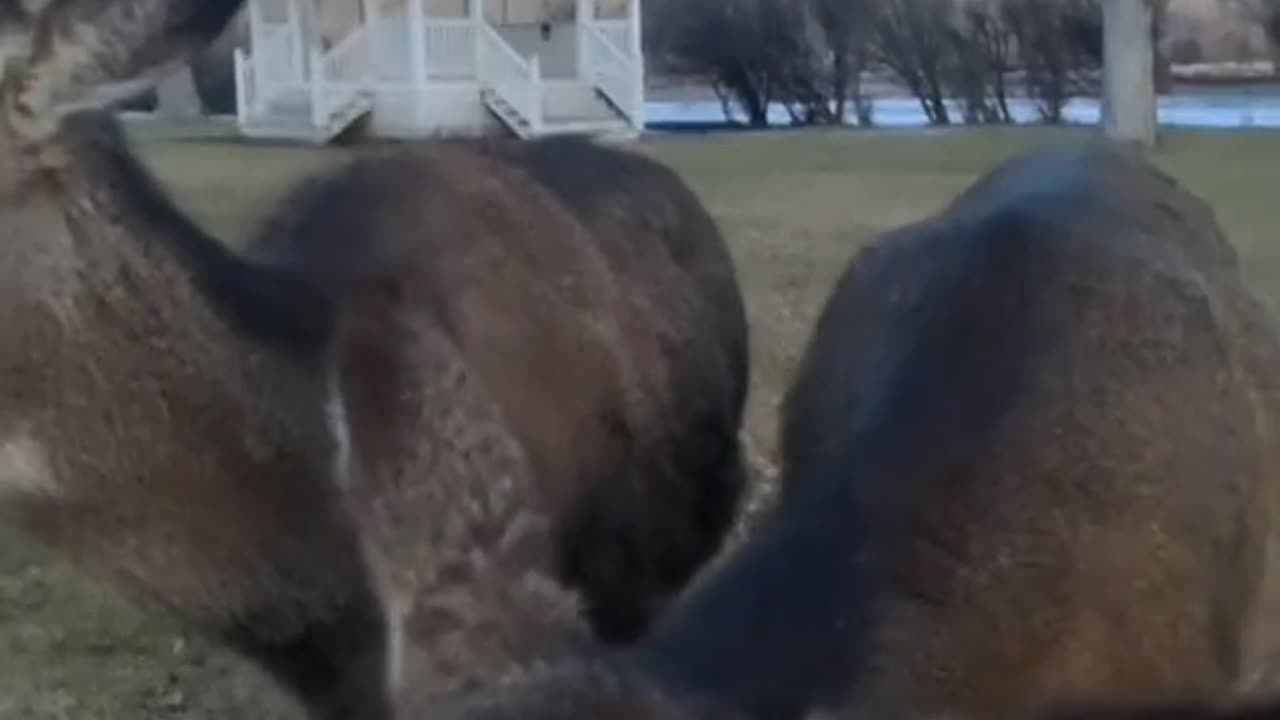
[{"x": 794, "y": 206}]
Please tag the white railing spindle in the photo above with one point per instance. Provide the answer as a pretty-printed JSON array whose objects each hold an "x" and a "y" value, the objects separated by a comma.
[
  {"x": 517, "y": 81},
  {"x": 244, "y": 80},
  {"x": 614, "y": 72},
  {"x": 319, "y": 113},
  {"x": 337, "y": 78},
  {"x": 451, "y": 48},
  {"x": 534, "y": 93},
  {"x": 618, "y": 31}
]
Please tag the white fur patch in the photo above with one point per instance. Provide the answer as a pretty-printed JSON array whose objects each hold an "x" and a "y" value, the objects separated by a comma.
[
  {"x": 335, "y": 413},
  {"x": 397, "y": 613},
  {"x": 25, "y": 468},
  {"x": 396, "y": 608}
]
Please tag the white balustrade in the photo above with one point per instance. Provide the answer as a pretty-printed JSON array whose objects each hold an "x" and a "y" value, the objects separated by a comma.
[
  {"x": 515, "y": 80},
  {"x": 451, "y": 48},
  {"x": 341, "y": 74},
  {"x": 613, "y": 71},
  {"x": 617, "y": 31},
  {"x": 246, "y": 87}
]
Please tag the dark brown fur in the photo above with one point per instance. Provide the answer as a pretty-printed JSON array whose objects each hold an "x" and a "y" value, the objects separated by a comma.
[
  {"x": 1030, "y": 462},
  {"x": 677, "y": 277},
  {"x": 461, "y": 355},
  {"x": 162, "y": 422},
  {"x": 1176, "y": 707},
  {"x": 1258, "y": 708},
  {"x": 574, "y": 433}
]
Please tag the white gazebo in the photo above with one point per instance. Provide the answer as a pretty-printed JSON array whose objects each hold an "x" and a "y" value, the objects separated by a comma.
[{"x": 425, "y": 67}]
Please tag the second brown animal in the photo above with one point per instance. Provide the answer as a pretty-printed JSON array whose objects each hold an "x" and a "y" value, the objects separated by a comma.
[
  {"x": 542, "y": 359},
  {"x": 1029, "y": 461}
]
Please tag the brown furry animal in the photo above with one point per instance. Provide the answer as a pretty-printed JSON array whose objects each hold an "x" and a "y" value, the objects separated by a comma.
[
  {"x": 188, "y": 423},
  {"x": 1232, "y": 707},
  {"x": 163, "y": 420},
  {"x": 575, "y": 432},
  {"x": 1030, "y": 462},
  {"x": 1261, "y": 708},
  {"x": 678, "y": 281}
]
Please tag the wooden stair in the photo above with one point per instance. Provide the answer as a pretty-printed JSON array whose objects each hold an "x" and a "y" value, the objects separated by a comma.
[{"x": 604, "y": 121}]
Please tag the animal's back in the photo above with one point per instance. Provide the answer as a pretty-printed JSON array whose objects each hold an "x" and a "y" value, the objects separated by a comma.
[
  {"x": 439, "y": 237},
  {"x": 1059, "y": 381},
  {"x": 650, "y": 223},
  {"x": 685, "y": 332},
  {"x": 1024, "y": 455},
  {"x": 462, "y": 270}
]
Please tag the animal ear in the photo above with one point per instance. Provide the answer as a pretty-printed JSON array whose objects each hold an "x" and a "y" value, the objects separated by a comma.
[{"x": 90, "y": 54}]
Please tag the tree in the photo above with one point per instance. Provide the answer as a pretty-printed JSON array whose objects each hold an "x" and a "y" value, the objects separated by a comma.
[
  {"x": 1059, "y": 45},
  {"x": 846, "y": 27},
  {"x": 1266, "y": 13},
  {"x": 912, "y": 40},
  {"x": 980, "y": 62},
  {"x": 1129, "y": 107},
  {"x": 752, "y": 52}
]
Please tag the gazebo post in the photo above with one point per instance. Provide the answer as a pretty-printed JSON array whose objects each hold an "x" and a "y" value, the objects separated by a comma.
[
  {"x": 475, "y": 11},
  {"x": 583, "y": 17},
  {"x": 417, "y": 20},
  {"x": 635, "y": 41}
]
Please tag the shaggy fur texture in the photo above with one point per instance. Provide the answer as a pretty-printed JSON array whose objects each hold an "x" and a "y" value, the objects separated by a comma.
[
  {"x": 684, "y": 316},
  {"x": 435, "y": 340},
  {"x": 1030, "y": 460},
  {"x": 88, "y": 54},
  {"x": 163, "y": 418},
  {"x": 1258, "y": 708},
  {"x": 544, "y": 396}
]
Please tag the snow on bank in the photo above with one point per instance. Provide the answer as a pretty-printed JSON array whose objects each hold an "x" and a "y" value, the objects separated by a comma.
[{"x": 1208, "y": 110}]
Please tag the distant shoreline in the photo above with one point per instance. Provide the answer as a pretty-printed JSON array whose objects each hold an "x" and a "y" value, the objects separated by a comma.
[
  {"x": 1226, "y": 80},
  {"x": 1249, "y": 77}
]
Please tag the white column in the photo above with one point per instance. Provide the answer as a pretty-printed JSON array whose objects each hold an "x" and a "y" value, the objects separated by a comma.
[
  {"x": 319, "y": 95},
  {"x": 371, "y": 36},
  {"x": 635, "y": 39},
  {"x": 635, "y": 29},
  {"x": 583, "y": 17},
  {"x": 417, "y": 19},
  {"x": 300, "y": 39},
  {"x": 478, "y": 25},
  {"x": 255, "y": 26},
  {"x": 536, "y": 111},
  {"x": 1128, "y": 72},
  {"x": 256, "y": 46},
  {"x": 242, "y": 92}
]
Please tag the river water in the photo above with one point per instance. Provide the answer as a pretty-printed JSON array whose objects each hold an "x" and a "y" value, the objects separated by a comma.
[{"x": 1207, "y": 107}]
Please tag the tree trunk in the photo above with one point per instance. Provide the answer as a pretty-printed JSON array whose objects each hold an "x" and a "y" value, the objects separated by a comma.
[
  {"x": 840, "y": 81},
  {"x": 1129, "y": 99},
  {"x": 939, "y": 115},
  {"x": 1001, "y": 91},
  {"x": 863, "y": 106}
]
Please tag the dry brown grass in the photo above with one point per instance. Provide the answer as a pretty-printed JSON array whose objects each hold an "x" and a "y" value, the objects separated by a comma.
[{"x": 795, "y": 207}]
